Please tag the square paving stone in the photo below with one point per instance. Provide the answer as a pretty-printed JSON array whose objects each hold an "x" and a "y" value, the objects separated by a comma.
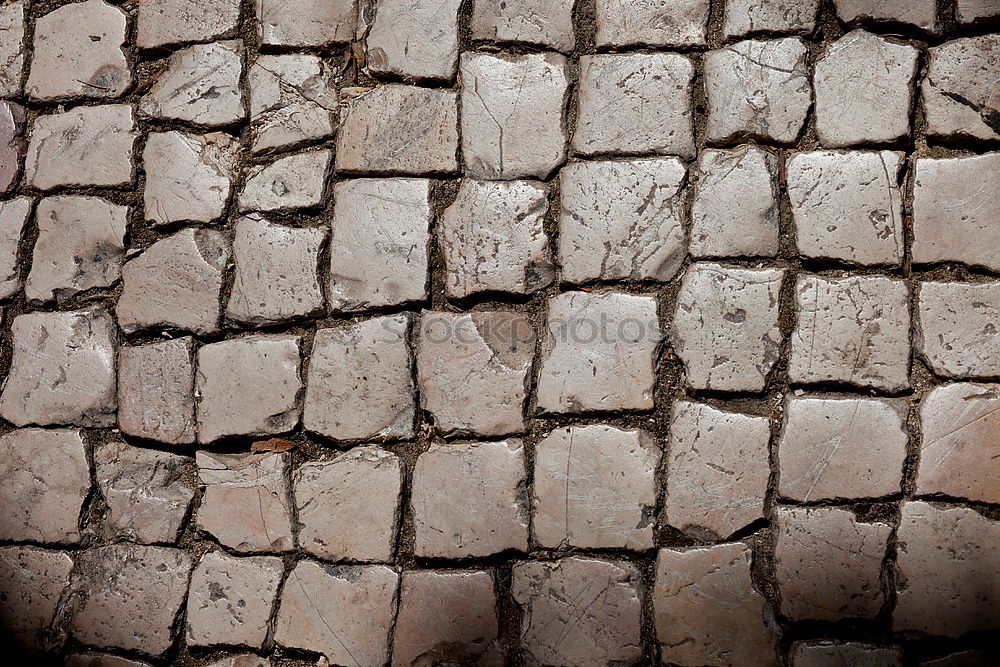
[
  {"x": 472, "y": 371},
  {"x": 621, "y": 220},
  {"x": 80, "y": 246},
  {"x": 293, "y": 100},
  {"x": 546, "y": 23},
  {"x": 955, "y": 208},
  {"x": 397, "y": 129},
  {"x": 745, "y": 17},
  {"x": 956, "y": 330},
  {"x": 599, "y": 353},
  {"x": 344, "y": 612},
  {"x": 148, "y": 492},
  {"x": 169, "y": 22},
  {"x": 734, "y": 212},
  {"x": 651, "y": 22},
  {"x": 463, "y": 607},
  {"x": 827, "y": 564},
  {"x": 841, "y": 448},
  {"x": 156, "y": 391},
  {"x": 87, "y": 145},
  {"x": 414, "y": 38},
  {"x": 360, "y": 385},
  {"x": 348, "y": 508},
  {"x": 959, "y": 100},
  {"x": 757, "y": 88},
  {"x": 853, "y": 330},
  {"x": 246, "y": 504},
  {"x": 276, "y": 275},
  {"x": 513, "y": 114},
  {"x": 77, "y": 52},
  {"x": 12, "y": 24},
  {"x": 248, "y": 386},
  {"x": 200, "y": 85},
  {"x": 947, "y": 563},
  {"x": 14, "y": 214},
  {"x": 493, "y": 238},
  {"x": 595, "y": 487},
  {"x": 493, "y": 515},
  {"x": 32, "y": 581},
  {"x": 189, "y": 177},
  {"x": 726, "y": 326},
  {"x": 857, "y": 654},
  {"x": 379, "y": 243},
  {"x": 307, "y": 23},
  {"x": 578, "y": 611},
  {"x": 13, "y": 144},
  {"x": 289, "y": 183},
  {"x": 919, "y": 13},
  {"x": 46, "y": 480},
  {"x": 231, "y": 599},
  {"x": 717, "y": 469},
  {"x": 706, "y": 609},
  {"x": 864, "y": 90},
  {"x": 647, "y": 93},
  {"x": 847, "y": 206},
  {"x": 62, "y": 370},
  {"x": 176, "y": 283}
]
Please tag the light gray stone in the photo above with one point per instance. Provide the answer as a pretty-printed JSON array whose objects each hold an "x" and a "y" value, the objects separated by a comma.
[
  {"x": 745, "y": 17},
  {"x": 547, "y": 23},
  {"x": 307, "y": 23},
  {"x": 13, "y": 143},
  {"x": 976, "y": 11},
  {"x": 956, "y": 330},
  {"x": 651, "y": 22},
  {"x": 959, "y": 99},
  {"x": 32, "y": 581},
  {"x": 919, "y": 13},
  {"x": 414, "y": 38},
  {"x": 13, "y": 217},
  {"x": 293, "y": 100},
  {"x": 824, "y": 653},
  {"x": 200, "y": 85},
  {"x": 12, "y": 24},
  {"x": 169, "y": 22},
  {"x": 289, "y": 183},
  {"x": 92, "y": 659}
]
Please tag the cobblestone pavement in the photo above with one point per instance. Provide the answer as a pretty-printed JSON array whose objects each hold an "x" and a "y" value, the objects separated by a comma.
[{"x": 425, "y": 332}]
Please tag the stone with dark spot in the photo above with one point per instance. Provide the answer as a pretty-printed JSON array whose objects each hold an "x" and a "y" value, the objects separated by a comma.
[
  {"x": 32, "y": 581},
  {"x": 976, "y": 11},
  {"x": 293, "y": 100},
  {"x": 156, "y": 391},
  {"x": 13, "y": 143},
  {"x": 961, "y": 100},
  {"x": 14, "y": 215},
  {"x": 745, "y": 17},
  {"x": 677, "y": 23},
  {"x": 414, "y": 38},
  {"x": 919, "y": 13},
  {"x": 200, "y": 85},
  {"x": 958, "y": 328},
  {"x": 291, "y": 182},
  {"x": 545, "y": 23}
]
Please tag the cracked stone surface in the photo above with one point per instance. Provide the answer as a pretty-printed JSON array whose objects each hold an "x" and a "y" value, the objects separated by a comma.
[
  {"x": 676, "y": 23},
  {"x": 414, "y": 38},
  {"x": 745, "y": 17},
  {"x": 348, "y": 508},
  {"x": 594, "y": 488},
  {"x": 919, "y": 13},
  {"x": 959, "y": 100},
  {"x": 289, "y": 183},
  {"x": 648, "y": 93},
  {"x": 14, "y": 215},
  {"x": 293, "y": 100},
  {"x": 169, "y": 22},
  {"x": 546, "y": 23},
  {"x": 717, "y": 471},
  {"x": 33, "y": 580},
  {"x": 199, "y": 85},
  {"x": 956, "y": 329},
  {"x": 309, "y": 23},
  {"x": 621, "y": 220},
  {"x": 556, "y": 630},
  {"x": 12, "y": 24},
  {"x": 828, "y": 563},
  {"x": 13, "y": 143},
  {"x": 859, "y": 654}
]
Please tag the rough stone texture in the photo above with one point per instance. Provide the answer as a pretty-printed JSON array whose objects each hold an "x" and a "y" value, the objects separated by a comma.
[
  {"x": 156, "y": 391},
  {"x": 649, "y": 93},
  {"x": 947, "y": 559},
  {"x": 291, "y": 182},
  {"x": 62, "y": 370},
  {"x": 398, "y": 129},
  {"x": 734, "y": 212},
  {"x": 955, "y": 208},
  {"x": 841, "y": 448},
  {"x": 276, "y": 276},
  {"x": 189, "y": 177},
  {"x": 578, "y": 611},
  {"x": 231, "y": 599},
  {"x": 493, "y": 238},
  {"x": 348, "y": 508},
  {"x": 621, "y": 220},
  {"x": 78, "y": 53},
  {"x": 975, "y": 11},
  {"x": 127, "y": 596},
  {"x": 360, "y": 385},
  {"x": 652, "y": 23},
  {"x": 824, "y": 653},
  {"x": 80, "y": 246},
  {"x": 307, "y": 23},
  {"x": 956, "y": 330},
  {"x": 244, "y": 660},
  {"x": 46, "y": 479},
  {"x": 145, "y": 490},
  {"x": 757, "y": 88},
  {"x": 13, "y": 143},
  {"x": 344, "y": 612},
  {"x": 717, "y": 469},
  {"x": 292, "y": 101},
  {"x": 83, "y": 146},
  {"x": 380, "y": 243},
  {"x": 14, "y": 215},
  {"x": 493, "y": 514},
  {"x": 852, "y": 330},
  {"x": 169, "y": 22},
  {"x": 599, "y": 353},
  {"x": 472, "y": 371},
  {"x": 848, "y": 114},
  {"x": 827, "y": 564},
  {"x": 919, "y": 13},
  {"x": 745, "y": 17},
  {"x": 548, "y": 23},
  {"x": 464, "y": 611},
  {"x": 91, "y": 659},
  {"x": 248, "y": 386},
  {"x": 513, "y": 114},
  {"x": 706, "y": 609},
  {"x": 960, "y": 101},
  {"x": 200, "y": 85},
  {"x": 847, "y": 206},
  {"x": 414, "y": 38},
  {"x": 246, "y": 505},
  {"x": 960, "y": 442},
  {"x": 726, "y": 326},
  {"x": 595, "y": 488},
  {"x": 12, "y": 24},
  {"x": 32, "y": 581},
  {"x": 175, "y": 283}
]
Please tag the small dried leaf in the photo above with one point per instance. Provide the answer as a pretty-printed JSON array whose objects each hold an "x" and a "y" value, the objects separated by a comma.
[{"x": 272, "y": 445}]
